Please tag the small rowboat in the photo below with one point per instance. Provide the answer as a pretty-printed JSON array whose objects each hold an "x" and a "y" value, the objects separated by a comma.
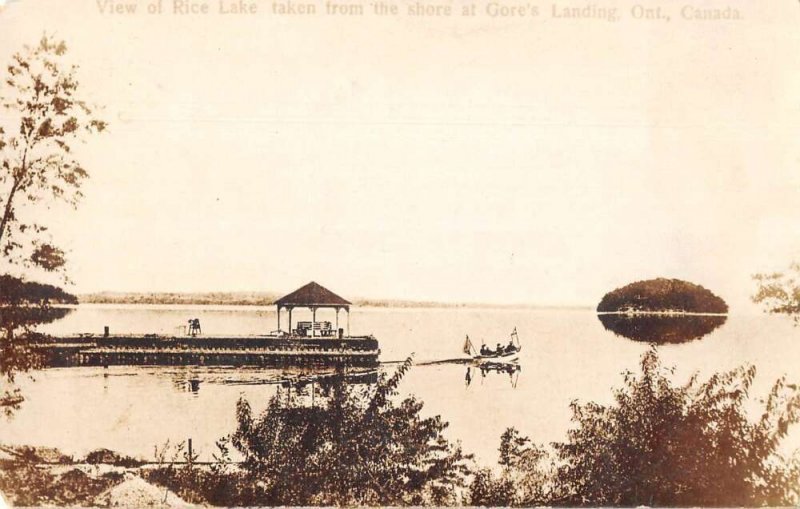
[
  {"x": 510, "y": 356},
  {"x": 503, "y": 354}
]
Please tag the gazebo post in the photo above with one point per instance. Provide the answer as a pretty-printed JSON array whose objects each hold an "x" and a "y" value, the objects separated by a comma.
[
  {"x": 290, "y": 320},
  {"x": 348, "y": 320},
  {"x": 279, "y": 319},
  {"x": 337, "y": 320},
  {"x": 313, "y": 321}
]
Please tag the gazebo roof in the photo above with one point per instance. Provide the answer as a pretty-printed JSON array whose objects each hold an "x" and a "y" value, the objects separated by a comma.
[{"x": 312, "y": 294}]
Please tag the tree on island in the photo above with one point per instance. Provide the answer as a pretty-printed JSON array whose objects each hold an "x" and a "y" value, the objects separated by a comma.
[
  {"x": 37, "y": 163},
  {"x": 662, "y": 295}
]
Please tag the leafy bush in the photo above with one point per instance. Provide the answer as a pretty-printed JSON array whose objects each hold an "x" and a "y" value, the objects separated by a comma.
[
  {"x": 219, "y": 484},
  {"x": 358, "y": 448},
  {"x": 207, "y": 486},
  {"x": 664, "y": 445},
  {"x": 526, "y": 473},
  {"x": 779, "y": 292},
  {"x": 27, "y": 484},
  {"x": 109, "y": 457}
]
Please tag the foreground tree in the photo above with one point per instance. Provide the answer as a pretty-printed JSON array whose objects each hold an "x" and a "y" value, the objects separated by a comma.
[
  {"x": 666, "y": 445},
  {"x": 358, "y": 446},
  {"x": 37, "y": 163},
  {"x": 43, "y": 118},
  {"x": 524, "y": 478},
  {"x": 361, "y": 448}
]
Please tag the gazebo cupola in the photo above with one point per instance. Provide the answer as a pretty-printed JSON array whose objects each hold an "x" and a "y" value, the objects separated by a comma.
[{"x": 313, "y": 296}]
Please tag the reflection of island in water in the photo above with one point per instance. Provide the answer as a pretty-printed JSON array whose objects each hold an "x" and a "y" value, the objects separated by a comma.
[
  {"x": 662, "y": 311},
  {"x": 18, "y": 337},
  {"x": 14, "y": 319},
  {"x": 24, "y": 305},
  {"x": 662, "y": 329},
  {"x": 18, "y": 342}
]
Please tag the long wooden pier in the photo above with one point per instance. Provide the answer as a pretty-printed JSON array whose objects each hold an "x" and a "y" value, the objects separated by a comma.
[
  {"x": 311, "y": 343},
  {"x": 157, "y": 350}
]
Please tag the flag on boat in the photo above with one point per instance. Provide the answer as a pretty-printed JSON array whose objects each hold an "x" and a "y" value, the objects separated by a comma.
[{"x": 467, "y": 346}]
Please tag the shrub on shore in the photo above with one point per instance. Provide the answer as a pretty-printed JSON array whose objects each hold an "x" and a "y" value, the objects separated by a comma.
[
  {"x": 660, "y": 444},
  {"x": 42, "y": 476},
  {"x": 358, "y": 447},
  {"x": 657, "y": 444}
]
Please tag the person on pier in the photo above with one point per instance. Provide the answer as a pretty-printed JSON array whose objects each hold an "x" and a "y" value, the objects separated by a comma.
[{"x": 194, "y": 327}]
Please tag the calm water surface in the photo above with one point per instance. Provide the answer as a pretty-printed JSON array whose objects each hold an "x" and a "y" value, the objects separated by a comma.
[{"x": 566, "y": 355}]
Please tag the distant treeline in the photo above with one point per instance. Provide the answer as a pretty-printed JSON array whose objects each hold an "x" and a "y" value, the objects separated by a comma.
[
  {"x": 662, "y": 295},
  {"x": 14, "y": 290},
  {"x": 176, "y": 298},
  {"x": 248, "y": 299}
]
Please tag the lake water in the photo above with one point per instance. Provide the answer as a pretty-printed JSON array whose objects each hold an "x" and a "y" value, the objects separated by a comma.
[{"x": 566, "y": 355}]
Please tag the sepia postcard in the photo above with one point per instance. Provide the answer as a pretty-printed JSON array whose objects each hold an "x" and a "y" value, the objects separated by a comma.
[{"x": 399, "y": 253}]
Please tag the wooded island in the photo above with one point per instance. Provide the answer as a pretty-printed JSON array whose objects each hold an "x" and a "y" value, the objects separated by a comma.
[{"x": 662, "y": 295}]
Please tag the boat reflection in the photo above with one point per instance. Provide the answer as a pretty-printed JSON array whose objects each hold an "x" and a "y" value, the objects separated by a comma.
[
  {"x": 661, "y": 329},
  {"x": 498, "y": 368}
]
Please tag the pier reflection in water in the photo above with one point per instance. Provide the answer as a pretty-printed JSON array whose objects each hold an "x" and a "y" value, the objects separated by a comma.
[
  {"x": 661, "y": 329},
  {"x": 319, "y": 381}
]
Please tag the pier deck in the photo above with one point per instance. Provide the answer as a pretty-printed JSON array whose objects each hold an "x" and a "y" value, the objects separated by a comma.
[{"x": 229, "y": 350}]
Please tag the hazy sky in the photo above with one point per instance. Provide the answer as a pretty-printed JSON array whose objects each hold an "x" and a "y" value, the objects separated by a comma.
[{"x": 492, "y": 160}]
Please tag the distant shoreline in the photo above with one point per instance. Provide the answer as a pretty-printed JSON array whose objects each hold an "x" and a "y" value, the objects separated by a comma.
[{"x": 268, "y": 299}]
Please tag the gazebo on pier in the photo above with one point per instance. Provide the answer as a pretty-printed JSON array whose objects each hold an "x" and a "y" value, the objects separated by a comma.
[{"x": 313, "y": 296}]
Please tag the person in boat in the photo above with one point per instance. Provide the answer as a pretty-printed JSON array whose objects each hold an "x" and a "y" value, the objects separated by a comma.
[
  {"x": 499, "y": 350},
  {"x": 511, "y": 347},
  {"x": 484, "y": 350}
]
